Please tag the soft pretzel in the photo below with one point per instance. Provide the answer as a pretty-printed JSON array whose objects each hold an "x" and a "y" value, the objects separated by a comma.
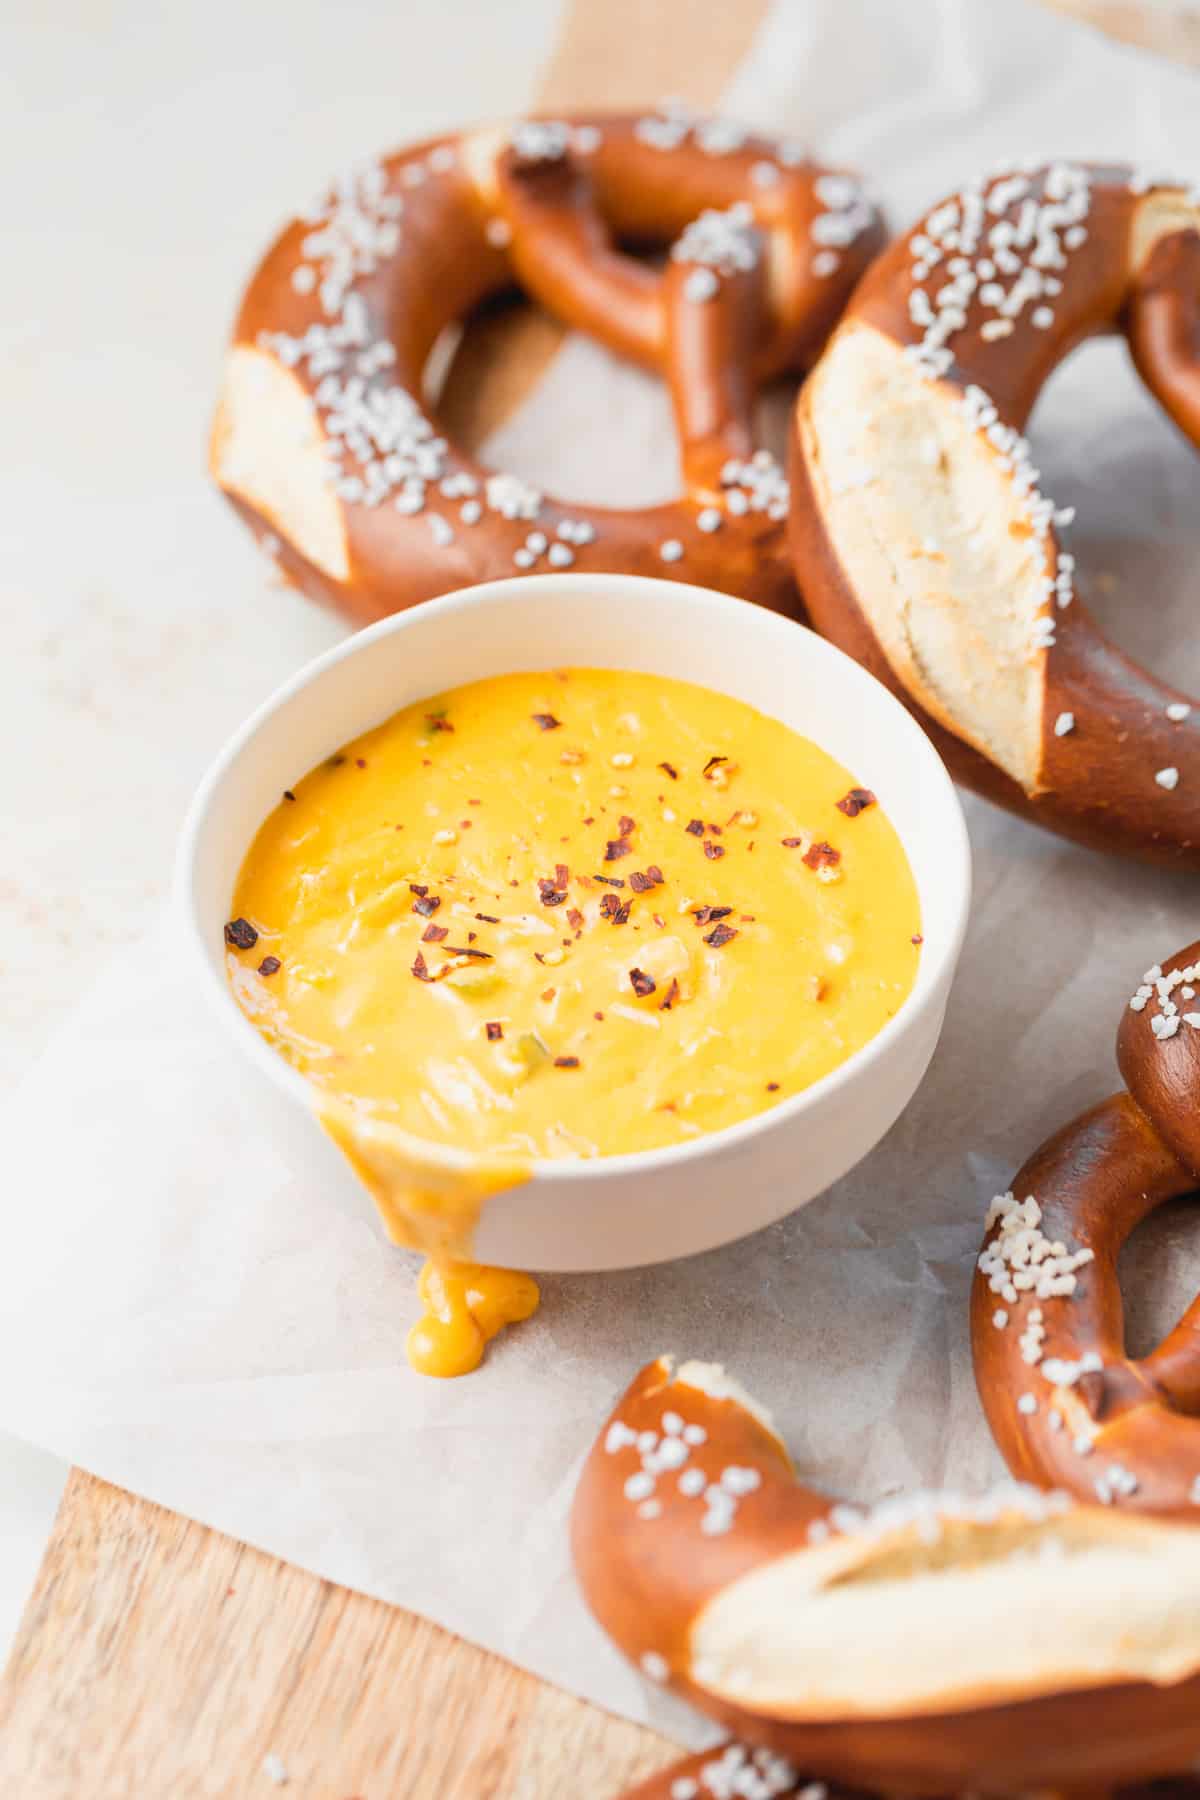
[
  {"x": 1006, "y": 1643},
  {"x": 737, "y": 1772},
  {"x": 1066, "y": 1404},
  {"x": 324, "y": 440},
  {"x": 924, "y": 545}
]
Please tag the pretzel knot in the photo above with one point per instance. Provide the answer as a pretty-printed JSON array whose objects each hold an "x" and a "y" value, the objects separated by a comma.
[
  {"x": 925, "y": 545},
  {"x": 324, "y": 439},
  {"x": 929, "y": 1643},
  {"x": 1067, "y": 1406}
]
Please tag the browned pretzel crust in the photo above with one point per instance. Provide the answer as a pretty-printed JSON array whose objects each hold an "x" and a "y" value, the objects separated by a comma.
[
  {"x": 925, "y": 1645},
  {"x": 1066, "y": 1404},
  {"x": 923, "y": 543},
  {"x": 324, "y": 440}
]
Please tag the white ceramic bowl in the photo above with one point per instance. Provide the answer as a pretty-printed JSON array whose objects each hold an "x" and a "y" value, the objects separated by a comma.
[{"x": 615, "y": 1211}]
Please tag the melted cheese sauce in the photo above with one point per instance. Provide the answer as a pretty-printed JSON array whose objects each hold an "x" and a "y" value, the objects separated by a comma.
[{"x": 566, "y": 914}]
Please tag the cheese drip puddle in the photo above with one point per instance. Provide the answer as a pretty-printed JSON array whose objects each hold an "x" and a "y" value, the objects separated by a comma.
[{"x": 561, "y": 915}]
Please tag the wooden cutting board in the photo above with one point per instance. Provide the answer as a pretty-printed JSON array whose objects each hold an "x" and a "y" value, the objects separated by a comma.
[{"x": 159, "y": 1659}]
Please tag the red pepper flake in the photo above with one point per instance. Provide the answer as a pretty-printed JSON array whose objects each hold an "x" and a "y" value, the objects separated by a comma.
[
  {"x": 471, "y": 936},
  {"x": 822, "y": 856},
  {"x": 715, "y": 829},
  {"x": 792, "y": 843},
  {"x": 561, "y": 875},
  {"x": 465, "y": 950},
  {"x": 465, "y": 824},
  {"x": 420, "y": 968},
  {"x": 641, "y": 884},
  {"x": 708, "y": 915},
  {"x": 659, "y": 921},
  {"x": 437, "y": 721},
  {"x": 614, "y": 909},
  {"x": 599, "y": 1017},
  {"x": 641, "y": 983},
  {"x": 720, "y": 934},
  {"x": 488, "y": 918},
  {"x": 474, "y": 802},
  {"x": 667, "y": 769},
  {"x": 495, "y": 1031},
  {"x": 335, "y": 762},
  {"x": 548, "y": 894},
  {"x": 695, "y": 827},
  {"x": 714, "y": 762},
  {"x": 241, "y": 934},
  {"x": 656, "y": 875},
  {"x": 566, "y": 1062},
  {"x": 671, "y": 996},
  {"x": 616, "y": 848},
  {"x": 610, "y": 880},
  {"x": 270, "y": 965},
  {"x": 360, "y": 762},
  {"x": 918, "y": 939},
  {"x": 713, "y": 851},
  {"x": 625, "y": 824},
  {"x": 415, "y": 888},
  {"x": 856, "y": 801},
  {"x": 772, "y": 1087},
  {"x": 426, "y": 904},
  {"x": 433, "y": 934},
  {"x": 548, "y": 994},
  {"x": 545, "y": 721},
  {"x": 574, "y": 918},
  {"x": 288, "y": 794}
]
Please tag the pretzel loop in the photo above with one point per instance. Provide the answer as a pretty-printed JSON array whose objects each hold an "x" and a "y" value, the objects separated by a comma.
[{"x": 1067, "y": 1405}]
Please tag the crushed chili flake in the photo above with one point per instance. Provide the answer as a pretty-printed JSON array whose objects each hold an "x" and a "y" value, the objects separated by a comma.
[
  {"x": 671, "y": 996},
  {"x": 561, "y": 875},
  {"x": 720, "y": 934},
  {"x": 708, "y": 915},
  {"x": 714, "y": 762},
  {"x": 566, "y": 1062},
  {"x": 822, "y": 856},
  {"x": 659, "y": 921},
  {"x": 856, "y": 801},
  {"x": 471, "y": 936},
  {"x": 625, "y": 825},
  {"x": 420, "y": 968},
  {"x": 415, "y": 887},
  {"x": 465, "y": 950},
  {"x": 288, "y": 794},
  {"x": 792, "y": 843},
  {"x": 772, "y": 1087},
  {"x": 426, "y": 904},
  {"x": 546, "y": 721},
  {"x": 433, "y": 934},
  {"x": 668, "y": 769},
  {"x": 574, "y": 918},
  {"x": 695, "y": 827},
  {"x": 488, "y": 918},
  {"x": 715, "y": 829},
  {"x": 495, "y": 1031},
  {"x": 616, "y": 848},
  {"x": 599, "y": 1016},
  {"x": 360, "y": 762},
  {"x": 614, "y": 909},
  {"x": 918, "y": 939},
  {"x": 713, "y": 851},
  {"x": 437, "y": 721},
  {"x": 241, "y": 934},
  {"x": 548, "y": 894},
  {"x": 655, "y": 873},
  {"x": 641, "y": 883},
  {"x": 641, "y": 983},
  {"x": 610, "y": 880},
  {"x": 335, "y": 762},
  {"x": 270, "y": 965},
  {"x": 548, "y": 994}
]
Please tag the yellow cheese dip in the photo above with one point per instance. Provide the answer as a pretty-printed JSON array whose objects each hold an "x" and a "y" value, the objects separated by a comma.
[{"x": 573, "y": 914}]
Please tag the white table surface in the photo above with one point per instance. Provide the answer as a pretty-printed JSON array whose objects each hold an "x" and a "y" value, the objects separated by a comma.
[{"x": 155, "y": 150}]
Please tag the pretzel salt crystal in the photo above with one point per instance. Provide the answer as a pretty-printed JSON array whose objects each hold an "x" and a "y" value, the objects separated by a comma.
[
  {"x": 325, "y": 443},
  {"x": 924, "y": 545},
  {"x": 932, "y": 1642},
  {"x": 1067, "y": 1405}
]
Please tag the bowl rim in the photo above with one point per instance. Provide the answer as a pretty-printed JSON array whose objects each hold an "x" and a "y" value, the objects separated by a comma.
[{"x": 729, "y": 612}]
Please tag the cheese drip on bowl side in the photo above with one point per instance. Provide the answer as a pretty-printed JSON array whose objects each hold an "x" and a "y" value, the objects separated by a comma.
[{"x": 564, "y": 914}]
